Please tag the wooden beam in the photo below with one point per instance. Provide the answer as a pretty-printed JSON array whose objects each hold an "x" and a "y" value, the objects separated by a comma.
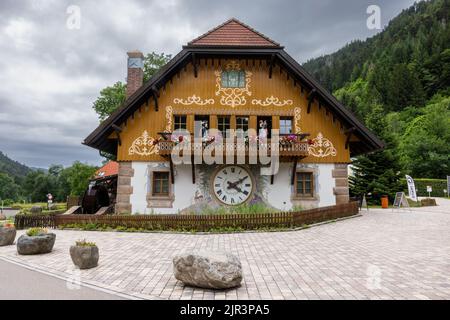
[
  {"x": 272, "y": 62},
  {"x": 193, "y": 169},
  {"x": 311, "y": 96},
  {"x": 349, "y": 133},
  {"x": 194, "y": 62},
  {"x": 172, "y": 176},
  {"x": 155, "y": 97},
  {"x": 294, "y": 170},
  {"x": 117, "y": 130}
]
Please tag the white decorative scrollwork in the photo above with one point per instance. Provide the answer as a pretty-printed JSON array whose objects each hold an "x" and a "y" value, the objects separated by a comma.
[
  {"x": 169, "y": 113},
  {"x": 144, "y": 145},
  {"x": 233, "y": 96},
  {"x": 272, "y": 101},
  {"x": 322, "y": 147},
  {"x": 297, "y": 117},
  {"x": 194, "y": 99}
]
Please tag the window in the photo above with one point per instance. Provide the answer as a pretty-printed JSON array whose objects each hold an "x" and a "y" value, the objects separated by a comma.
[
  {"x": 233, "y": 79},
  {"x": 241, "y": 126},
  {"x": 223, "y": 124},
  {"x": 179, "y": 123},
  {"x": 285, "y": 125},
  {"x": 304, "y": 186},
  {"x": 160, "y": 184}
]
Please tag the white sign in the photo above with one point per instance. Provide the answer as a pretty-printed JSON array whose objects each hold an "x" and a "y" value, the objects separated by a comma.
[
  {"x": 429, "y": 189},
  {"x": 411, "y": 188},
  {"x": 448, "y": 185}
]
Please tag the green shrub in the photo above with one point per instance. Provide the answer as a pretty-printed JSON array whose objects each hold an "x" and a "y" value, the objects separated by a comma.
[
  {"x": 84, "y": 243},
  {"x": 438, "y": 186},
  {"x": 32, "y": 232}
]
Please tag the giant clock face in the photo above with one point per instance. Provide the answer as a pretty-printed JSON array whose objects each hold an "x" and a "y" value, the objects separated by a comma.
[{"x": 232, "y": 185}]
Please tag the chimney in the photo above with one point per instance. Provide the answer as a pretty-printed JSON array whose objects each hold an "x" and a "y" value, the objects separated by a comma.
[{"x": 135, "y": 74}]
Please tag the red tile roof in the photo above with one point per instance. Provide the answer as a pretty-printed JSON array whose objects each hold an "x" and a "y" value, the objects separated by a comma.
[
  {"x": 233, "y": 33},
  {"x": 109, "y": 169}
]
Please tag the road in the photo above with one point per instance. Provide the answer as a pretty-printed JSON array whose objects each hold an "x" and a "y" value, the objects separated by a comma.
[{"x": 19, "y": 283}]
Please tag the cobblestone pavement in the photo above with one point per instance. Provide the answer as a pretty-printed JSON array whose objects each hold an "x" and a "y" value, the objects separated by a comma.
[{"x": 384, "y": 254}]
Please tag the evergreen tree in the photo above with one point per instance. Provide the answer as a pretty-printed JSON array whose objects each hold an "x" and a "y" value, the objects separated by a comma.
[{"x": 377, "y": 173}]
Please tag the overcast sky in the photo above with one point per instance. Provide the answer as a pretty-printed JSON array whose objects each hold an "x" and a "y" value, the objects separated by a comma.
[{"x": 50, "y": 74}]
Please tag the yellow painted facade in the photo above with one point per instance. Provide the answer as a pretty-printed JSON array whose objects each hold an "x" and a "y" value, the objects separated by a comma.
[{"x": 188, "y": 95}]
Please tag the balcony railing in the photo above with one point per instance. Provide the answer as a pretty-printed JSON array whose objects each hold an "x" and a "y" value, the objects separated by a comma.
[{"x": 286, "y": 149}]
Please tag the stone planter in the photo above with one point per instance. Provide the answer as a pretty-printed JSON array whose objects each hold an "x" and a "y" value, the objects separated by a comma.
[
  {"x": 84, "y": 257},
  {"x": 42, "y": 243},
  {"x": 7, "y": 236}
]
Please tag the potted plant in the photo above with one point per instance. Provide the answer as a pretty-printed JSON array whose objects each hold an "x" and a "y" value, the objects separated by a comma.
[
  {"x": 7, "y": 234},
  {"x": 84, "y": 254},
  {"x": 36, "y": 241}
]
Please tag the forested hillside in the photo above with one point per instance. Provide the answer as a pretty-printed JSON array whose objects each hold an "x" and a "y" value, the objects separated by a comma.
[{"x": 398, "y": 83}]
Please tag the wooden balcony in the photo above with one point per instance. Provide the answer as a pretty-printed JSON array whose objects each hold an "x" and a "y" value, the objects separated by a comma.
[{"x": 290, "y": 149}]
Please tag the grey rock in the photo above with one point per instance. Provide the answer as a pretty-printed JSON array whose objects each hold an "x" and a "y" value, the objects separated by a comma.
[
  {"x": 42, "y": 243},
  {"x": 36, "y": 209},
  {"x": 7, "y": 236},
  {"x": 208, "y": 269},
  {"x": 84, "y": 257}
]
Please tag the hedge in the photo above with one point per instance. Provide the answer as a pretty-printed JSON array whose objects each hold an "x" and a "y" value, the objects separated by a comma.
[{"x": 438, "y": 186}]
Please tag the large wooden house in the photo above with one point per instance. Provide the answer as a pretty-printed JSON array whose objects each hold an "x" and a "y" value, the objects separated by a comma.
[{"x": 231, "y": 77}]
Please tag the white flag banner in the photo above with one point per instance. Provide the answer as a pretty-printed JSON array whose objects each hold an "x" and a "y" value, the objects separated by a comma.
[{"x": 411, "y": 188}]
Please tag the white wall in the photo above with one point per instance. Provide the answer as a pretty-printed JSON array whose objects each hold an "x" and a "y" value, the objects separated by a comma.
[
  {"x": 183, "y": 188},
  {"x": 278, "y": 195},
  {"x": 326, "y": 185}
]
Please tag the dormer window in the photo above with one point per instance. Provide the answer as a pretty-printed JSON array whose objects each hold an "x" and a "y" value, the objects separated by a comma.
[{"x": 233, "y": 79}]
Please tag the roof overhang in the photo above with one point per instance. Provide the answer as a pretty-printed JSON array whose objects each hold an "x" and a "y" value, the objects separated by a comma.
[{"x": 99, "y": 138}]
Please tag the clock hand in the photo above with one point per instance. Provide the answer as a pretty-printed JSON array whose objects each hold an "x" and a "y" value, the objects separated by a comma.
[{"x": 233, "y": 185}]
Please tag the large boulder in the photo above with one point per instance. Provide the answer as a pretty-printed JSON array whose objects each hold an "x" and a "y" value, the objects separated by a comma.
[
  {"x": 208, "y": 269},
  {"x": 84, "y": 257},
  {"x": 7, "y": 236},
  {"x": 42, "y": 243}
]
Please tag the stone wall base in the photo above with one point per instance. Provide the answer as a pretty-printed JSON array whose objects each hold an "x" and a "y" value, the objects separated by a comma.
[
  {"x": 124, "y": 188},
  {"x": 341, "y": 189}
]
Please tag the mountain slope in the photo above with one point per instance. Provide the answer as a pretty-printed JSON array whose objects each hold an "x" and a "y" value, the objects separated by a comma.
[
  {"x": 418, "y": 37},
  {"x": 12, "y": 168}
]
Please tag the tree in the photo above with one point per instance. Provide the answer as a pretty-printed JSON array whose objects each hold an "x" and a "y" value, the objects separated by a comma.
[
  {"x": 113, "y": 96},
  {"x": 38, "y": 184},
  {"x": 8, "y": 188},
  {"x": 377, "y": 173},
  {"x": 78, "y": 176},
  {"x": 425, "y": 144},
  {"x": 153, "y": 62},
  {"x": 110, "y": 99}
]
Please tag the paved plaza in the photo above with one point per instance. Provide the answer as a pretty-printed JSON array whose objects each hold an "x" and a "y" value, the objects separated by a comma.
[{"x": 383, "y": 254}]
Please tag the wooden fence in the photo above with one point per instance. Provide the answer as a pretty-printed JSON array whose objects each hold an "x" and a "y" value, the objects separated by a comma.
[
  {"x": 194, "y": 222},
  {"x": 23, "y": 221}
]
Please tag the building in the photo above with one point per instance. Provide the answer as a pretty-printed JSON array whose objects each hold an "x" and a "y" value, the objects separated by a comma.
[{"x": 231, "y": 77}]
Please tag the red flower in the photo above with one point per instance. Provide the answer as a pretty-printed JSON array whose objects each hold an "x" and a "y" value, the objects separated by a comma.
[{"x": 310, "y": 142}]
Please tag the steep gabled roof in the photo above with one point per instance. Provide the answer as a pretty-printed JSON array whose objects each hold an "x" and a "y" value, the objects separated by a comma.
[
  {"x": 233, "y": 33},
  {"x": 100, "y": 140}
]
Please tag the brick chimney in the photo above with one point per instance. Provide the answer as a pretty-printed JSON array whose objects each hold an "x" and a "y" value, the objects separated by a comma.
[{"x": 135, "y": 74}]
